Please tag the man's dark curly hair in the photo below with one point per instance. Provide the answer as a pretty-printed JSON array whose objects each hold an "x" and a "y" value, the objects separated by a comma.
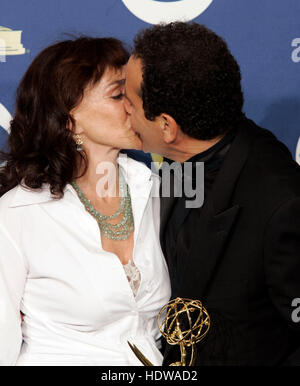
[
  {"x": 41, "y": 147},
  {"x": 190, "y": 74}
]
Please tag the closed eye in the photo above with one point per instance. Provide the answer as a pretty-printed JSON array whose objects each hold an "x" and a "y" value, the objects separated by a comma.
[{"x": 117, "y": 97}]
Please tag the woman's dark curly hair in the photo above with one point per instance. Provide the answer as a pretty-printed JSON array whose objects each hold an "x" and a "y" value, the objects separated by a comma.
[
  {"x": 190, "y": 74},
  {"x": 41, "y": 147}
]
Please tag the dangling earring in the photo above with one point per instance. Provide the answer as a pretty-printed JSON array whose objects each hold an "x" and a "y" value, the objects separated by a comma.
[{"x": 79, "y": 142}]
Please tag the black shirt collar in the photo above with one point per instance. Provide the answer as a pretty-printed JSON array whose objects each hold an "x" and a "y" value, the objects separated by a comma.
[{"x": 207, "y": 154}]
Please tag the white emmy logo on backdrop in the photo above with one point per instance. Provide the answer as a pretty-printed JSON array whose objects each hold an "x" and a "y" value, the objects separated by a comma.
[
  {"x": 11, "y": 42},
  {"x": 2, "y": 51},
  {"x": 5, "y": 118},
  {"x": 154, "y": 12},
  {"x": 298, "y": 152}
]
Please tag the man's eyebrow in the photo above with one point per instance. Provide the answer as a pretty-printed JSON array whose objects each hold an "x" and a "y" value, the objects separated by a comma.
[{"x": 119, "y": 82}]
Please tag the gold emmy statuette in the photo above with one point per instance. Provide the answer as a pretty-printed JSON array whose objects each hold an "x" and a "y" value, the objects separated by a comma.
[{"x": 186, "y": 323}]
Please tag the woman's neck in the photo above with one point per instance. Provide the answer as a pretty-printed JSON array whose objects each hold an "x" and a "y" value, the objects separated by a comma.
[{"x": 101, "y": 178}]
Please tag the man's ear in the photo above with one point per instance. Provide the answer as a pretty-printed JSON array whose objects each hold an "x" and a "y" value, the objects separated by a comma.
[{"x": 170, "y": 128}]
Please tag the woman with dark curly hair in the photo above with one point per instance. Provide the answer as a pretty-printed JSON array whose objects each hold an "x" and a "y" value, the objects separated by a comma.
[{"x": 81, "y": 262}]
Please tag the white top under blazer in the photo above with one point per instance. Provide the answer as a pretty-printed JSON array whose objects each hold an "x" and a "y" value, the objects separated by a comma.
[{"x": 78, "y": 306}]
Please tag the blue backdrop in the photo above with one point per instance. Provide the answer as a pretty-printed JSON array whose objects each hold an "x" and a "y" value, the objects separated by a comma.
[{"x": 264, "y": 36}]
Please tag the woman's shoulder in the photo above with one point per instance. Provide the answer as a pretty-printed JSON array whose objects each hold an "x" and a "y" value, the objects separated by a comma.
[
  {"x": 8, "y": 198},
  {"x": 21, "y": 195},
  {"x": 10, "y": 220},
  {"x": 17, "y": 208}
]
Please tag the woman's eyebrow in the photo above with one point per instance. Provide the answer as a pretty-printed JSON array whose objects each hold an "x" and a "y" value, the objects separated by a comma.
[{"x": 119, "y": 82}]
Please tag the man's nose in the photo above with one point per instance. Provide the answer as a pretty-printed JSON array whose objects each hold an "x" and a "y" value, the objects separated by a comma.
[{"x": 127, "y": 105}]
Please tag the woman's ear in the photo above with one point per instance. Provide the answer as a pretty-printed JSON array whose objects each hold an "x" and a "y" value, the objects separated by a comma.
[
  {"x": 169, "y": 128},
  {"x": 71, "y": 125}
]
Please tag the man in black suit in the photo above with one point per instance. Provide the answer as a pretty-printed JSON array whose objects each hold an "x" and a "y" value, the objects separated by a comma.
[{"x": 239, "y": 252}]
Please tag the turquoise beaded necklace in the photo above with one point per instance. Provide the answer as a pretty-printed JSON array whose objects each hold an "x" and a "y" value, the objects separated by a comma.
[{"x": 121, "y": 230}]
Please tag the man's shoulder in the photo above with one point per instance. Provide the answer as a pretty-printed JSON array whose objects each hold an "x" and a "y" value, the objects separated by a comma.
[
  {"x": 267, "y": 153},
  {"x": 270, "y": 167},
  {"x": 264, "y": 141}
]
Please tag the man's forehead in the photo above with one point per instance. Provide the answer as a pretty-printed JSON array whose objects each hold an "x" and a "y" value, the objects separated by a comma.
[
  {"x": 134, "y": 68},
  {"x": 134, "y": 75}
]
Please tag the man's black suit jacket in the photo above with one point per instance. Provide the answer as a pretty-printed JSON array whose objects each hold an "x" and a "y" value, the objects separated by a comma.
[{"x": 243, "y": 255}]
